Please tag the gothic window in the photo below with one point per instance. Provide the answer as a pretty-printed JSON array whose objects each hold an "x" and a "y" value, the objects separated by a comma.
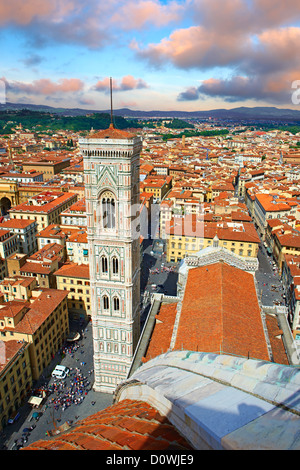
[
  {"x": 115, "y": 265},
  {"x": 108, "y": 210},
  {"x": 116, "y": 304},
  {"x": 104, "y": 264},
  {"x": 105, "y": 302}
]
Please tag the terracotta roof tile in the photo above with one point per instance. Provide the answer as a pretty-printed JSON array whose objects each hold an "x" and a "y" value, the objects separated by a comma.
[
  {"x": 11, "y": 348},
  {"x": 56, "y": 200},
  {"x": 289, "y": 239},
  {"x": 70, "y": 269},
  {"x": 88, "y": 442},
  {"x": 194, "y": 227},
  {"x": 275, "y": 337},
  {"x": 63, "y": 446},
  {"x": 220, "y": 313},
  {"x": 162, "y": 333},
  {"x": 16, "y": 223},
  {"x": 111, "y": 133},
  {"x": 270, "y": 204},
  {"x": 127, "y": 425},
  {"x": 36, "y": 312}
]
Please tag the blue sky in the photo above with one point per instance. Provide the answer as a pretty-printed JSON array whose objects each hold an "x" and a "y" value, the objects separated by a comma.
[{"x": 162, "y": 55}]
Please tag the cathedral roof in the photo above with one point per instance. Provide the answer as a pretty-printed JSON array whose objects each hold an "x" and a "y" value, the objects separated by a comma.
[
  {"x": 111, "y": 133},
  {"x": 128, "y": 425},
  {"x": 220, "y": 310}
]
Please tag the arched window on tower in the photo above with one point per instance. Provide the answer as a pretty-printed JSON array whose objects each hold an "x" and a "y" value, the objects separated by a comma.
[
  {"x": 104, "y": 265},
  {"x": 116, "y": 302},
  {"x": 115, "y": 266},
  {"x": 105, "y": 302},
  {"x": 108, "y": 211}
]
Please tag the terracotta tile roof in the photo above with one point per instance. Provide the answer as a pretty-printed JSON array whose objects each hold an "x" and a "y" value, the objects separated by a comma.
[
  {"x": 11, "y": 348},
  {"x": 220, "y": 312},
  {"x": 289, "y": 239},
  {"x": 270, "y": 204},
  {"x": 16, "y": 223},
  {"x": 53, "y": 231},
  {"x": 222, "y": 186},
  {"x": 18, "y": 280},
  {"x": 275, "y": 223},
  {"x": 58, "y": 231},
  {"x": 239, "y": 215},
  {"x": 50, "y": 203},
  {"x": 13, "y": 308},
  {"x": 127, "y": 425},
  {"x": 147, "y": 167},
  {"x": 80, "y": 236},
  {"x": 48, "y": 252},
  {"x": 74, "y": 270},
  {"x": 4, "y": 233},
  {"x": 193, "y": 227},
  {"x": 111, "y": 133},
  {"x": 159, "y": 183},
  {"x": 293, "y": 263},
  {"x": 275, "y": 337},
  {"x": 37, "y": 311},
  {"x": 162, "y": 333},
  {"x": 78, "y": 206},
  {"x": 36, "y": 268}
]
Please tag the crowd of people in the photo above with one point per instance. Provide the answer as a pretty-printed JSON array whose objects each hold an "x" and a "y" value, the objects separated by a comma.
[
  {"x": 73, "y": 390},
  {"x": 73, "y": 393},
  {"x": 71, "y": 348},
  {"x": 168, "y": 269}
]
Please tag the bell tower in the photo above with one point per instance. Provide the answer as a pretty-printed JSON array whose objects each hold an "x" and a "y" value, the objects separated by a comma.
[{"x": 111, "y": 171}]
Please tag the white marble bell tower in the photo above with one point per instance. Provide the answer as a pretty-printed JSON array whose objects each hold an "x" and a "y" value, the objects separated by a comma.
[{"x": 111, "y": 171}]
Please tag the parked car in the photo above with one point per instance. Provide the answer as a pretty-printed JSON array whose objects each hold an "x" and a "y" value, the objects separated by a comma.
[{"x": 60, "y": 372}]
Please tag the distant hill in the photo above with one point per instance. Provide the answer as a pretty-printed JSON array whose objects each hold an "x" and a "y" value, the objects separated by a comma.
[
  {"x": 268, "y": 113},
  {"x": 241, "y": 113},
  {"x": 39, "y": 120}
]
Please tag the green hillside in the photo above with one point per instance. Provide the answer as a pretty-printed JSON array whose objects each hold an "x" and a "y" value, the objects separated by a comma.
[{"x": 49, "y": 122}]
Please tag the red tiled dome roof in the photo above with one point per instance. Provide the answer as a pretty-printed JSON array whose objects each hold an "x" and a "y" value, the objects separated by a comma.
[{"x": 127, "y": 425}]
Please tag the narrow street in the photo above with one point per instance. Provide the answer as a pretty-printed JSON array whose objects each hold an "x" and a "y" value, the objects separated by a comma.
[
  {"x": 156, "y": 276},
  {"x": 269, "y": 284}
]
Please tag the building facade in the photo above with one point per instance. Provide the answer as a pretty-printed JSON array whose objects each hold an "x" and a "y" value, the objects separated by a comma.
[
  {"x": 26, "y": 231},
  {"x": 111, "y": 167},
  {"x": 44, "y": 208},
  {"x": 48, "y": 168},
  {"x": 15, "y": 378},
  {"x": 75, "y": 278},
  {"x": 42, "y": 322},
  {"x": 185, "y": 238}
]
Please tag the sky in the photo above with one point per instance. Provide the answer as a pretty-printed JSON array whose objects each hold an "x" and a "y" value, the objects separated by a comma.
[{"x": 164, "y": 55}]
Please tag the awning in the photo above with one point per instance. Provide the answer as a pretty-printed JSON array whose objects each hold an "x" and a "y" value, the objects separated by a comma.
[
  {"x": 35, "y": 401},
  {"x": 73, "y": 337}
]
